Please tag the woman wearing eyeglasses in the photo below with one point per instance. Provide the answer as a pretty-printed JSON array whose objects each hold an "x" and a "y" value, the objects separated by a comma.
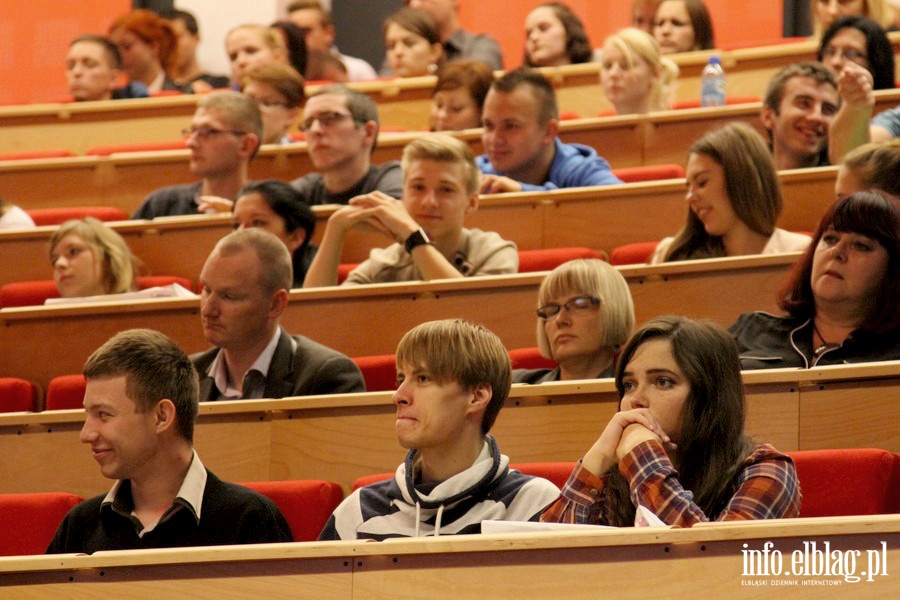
[
  {"x": 863, "y": 42},
  {"x": 584, "y": 313}
]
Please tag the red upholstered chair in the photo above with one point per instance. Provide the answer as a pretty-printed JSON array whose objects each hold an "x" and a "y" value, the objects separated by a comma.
[
  {"x": 305, "y": 504},
  {"x": 17, "y": 395},
  {"x": 530, "y": 358},
  {"x": 546, "y": 259},
  {"x": 32, "y": 293},
  {"x": 344, "y": 270},
  {"x": 36, "y": 154},
  {"x": 630, "y": 254},
  {"x": 141, "y": 147},
  {"x": 379, "y": 372},
  {"x": 649, "y": 173},
  {"x": 56, "y": 216},
  {"x": 65, "y": 392},
  {"x": 568, "y": 115},
  {"x": 29, "y": 521},
  {"x": 856, "y": 481}
]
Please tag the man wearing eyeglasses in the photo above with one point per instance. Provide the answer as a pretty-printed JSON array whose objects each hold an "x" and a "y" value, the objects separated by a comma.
[
  {"x": 224, "y": 136},
  {"x": 341, "y": 128}
]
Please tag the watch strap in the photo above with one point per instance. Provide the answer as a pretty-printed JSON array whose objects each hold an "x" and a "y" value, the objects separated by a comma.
[{"x": 416, "y": 238}]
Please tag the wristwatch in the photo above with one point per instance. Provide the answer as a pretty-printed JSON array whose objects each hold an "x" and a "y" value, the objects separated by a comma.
[{"x": 416, "y": 238}]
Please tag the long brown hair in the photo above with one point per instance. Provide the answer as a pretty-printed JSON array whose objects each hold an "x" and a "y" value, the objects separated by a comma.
[{"x": 712, "y": 445}]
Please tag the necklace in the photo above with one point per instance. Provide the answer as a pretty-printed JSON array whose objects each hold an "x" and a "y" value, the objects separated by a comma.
[{"x": 824, "y": 346}]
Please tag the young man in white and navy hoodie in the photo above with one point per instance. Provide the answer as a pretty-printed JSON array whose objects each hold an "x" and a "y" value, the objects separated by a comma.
[{"x": 453, "y": 377}]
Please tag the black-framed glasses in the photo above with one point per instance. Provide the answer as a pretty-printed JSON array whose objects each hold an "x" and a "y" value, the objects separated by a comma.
[
  {"x": 579, "y": 305},
  {"x": 325, "y": 119},
  {"x": 204, "y": 133}
]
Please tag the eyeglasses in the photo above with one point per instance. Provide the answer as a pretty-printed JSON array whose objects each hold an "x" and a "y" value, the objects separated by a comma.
[
  {"x": 325, "y": 119},
  {"x": 204, "y": 133},
  {"x": 848, "y": 53},
  {"x": 576, "y": 306}
]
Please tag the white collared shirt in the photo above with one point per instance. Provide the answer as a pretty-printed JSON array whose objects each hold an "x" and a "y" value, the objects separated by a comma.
[{"x": 218, "y": 370}]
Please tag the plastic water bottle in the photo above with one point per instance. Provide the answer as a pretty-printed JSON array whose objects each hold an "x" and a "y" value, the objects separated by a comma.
[{"x": 713, "y": 83}]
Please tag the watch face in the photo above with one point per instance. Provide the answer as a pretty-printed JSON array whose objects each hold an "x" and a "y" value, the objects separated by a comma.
[{"x": 417, "y": 238}]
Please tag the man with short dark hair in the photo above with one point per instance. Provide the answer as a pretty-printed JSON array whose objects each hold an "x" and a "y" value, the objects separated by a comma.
[
  {"x": 312, "y": 18},
  {"x": 223, "y": 138},
  {"x": 453, "y": 377},
  {"x": 341, "y": 126},
  {"x": 246, "y": 281},
  {"x": 94, "y": 69},
  {"x": 141, "y": 405},
  {"x": 522, "y": 150},
  {"x": 800, "y": 104},
  {"x": 187, "y": 72}
]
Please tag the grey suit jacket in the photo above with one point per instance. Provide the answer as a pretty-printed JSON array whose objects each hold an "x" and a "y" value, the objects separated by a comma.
[{"x": 311, "y": 370}]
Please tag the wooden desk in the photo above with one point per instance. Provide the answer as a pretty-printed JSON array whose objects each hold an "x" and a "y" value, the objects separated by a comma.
[
  {"x": 341, "y": 438},
  {"x": 707, "y": 559},
  {"x": 344, "y": 318}
]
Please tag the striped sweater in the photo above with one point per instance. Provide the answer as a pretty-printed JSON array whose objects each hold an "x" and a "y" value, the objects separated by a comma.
[{"x": 400, "y": 508}]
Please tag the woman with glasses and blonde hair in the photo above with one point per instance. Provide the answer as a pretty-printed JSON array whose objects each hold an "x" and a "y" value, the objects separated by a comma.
[
  {"x": 90, "y": 259},
  {"x": 634, "y": 75},
  {"x": 584, "y": 314}
]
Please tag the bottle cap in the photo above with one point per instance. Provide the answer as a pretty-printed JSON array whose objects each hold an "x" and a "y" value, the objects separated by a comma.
[{"x": 715, "y": 60}]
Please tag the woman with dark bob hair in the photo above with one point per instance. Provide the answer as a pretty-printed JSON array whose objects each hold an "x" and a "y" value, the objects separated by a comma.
[
  {"x": 841, "y": 299},
  {"x": 554, "y": 36},
  {"x": 462, "y": 85},
  {"x": 280, "y": 209},
  {"x": 683, "y": 26},
  {"x": 677, "y": 445},
  {"x": 862, "y": 41}
]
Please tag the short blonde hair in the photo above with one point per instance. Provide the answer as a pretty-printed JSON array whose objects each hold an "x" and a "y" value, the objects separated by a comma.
[
  {"x": 876, "y": 165},
  {"x": 637, "y": 44},
  {"x": 600, "y": 280},
  {"x": 455, "y": 350},
  {"x": 120, "y": 266},
  {"x": 441, "y": 147}
]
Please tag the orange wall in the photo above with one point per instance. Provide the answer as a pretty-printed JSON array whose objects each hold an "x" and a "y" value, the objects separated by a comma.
[
  {"x": 34, "y": 40},
  {"x": 734, "y": 21}
]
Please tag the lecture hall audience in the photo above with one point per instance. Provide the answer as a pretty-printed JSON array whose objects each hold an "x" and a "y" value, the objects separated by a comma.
[
  {"x": 677, "y": 446},
  {"x": 584, "y": 314},
  {"x": 634, "y": 75},
  {"x": 90, "y": 259},
  {"x": 841, "y": 298},
  {"x": 555, "y": 36},
  {"x": 522, "y": 150},
  {"x": 440, "y": 188},
  {"x": 683, "y": 26},
  {"x": 462, "y": 85},
  {"x": 279, "y": 209},
  {"x": 412, "y": 44},
  {"x": 734, "y": 200},
  {"x": 223, "y": 138},
  {"x": 149, "y": 49}
]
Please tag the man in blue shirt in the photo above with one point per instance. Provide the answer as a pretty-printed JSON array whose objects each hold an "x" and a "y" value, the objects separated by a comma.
[{"x": 522, "y": 150}]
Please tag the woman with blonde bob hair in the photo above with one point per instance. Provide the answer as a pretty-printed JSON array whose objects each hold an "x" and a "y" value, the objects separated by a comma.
[
  {"x": 871, "y": 166},
  {"x": 734, "y": 199},
  {"x": 90, "y": 259},
  {"x": 585, "y": 313},
  {"x": 635, "y": 76}
]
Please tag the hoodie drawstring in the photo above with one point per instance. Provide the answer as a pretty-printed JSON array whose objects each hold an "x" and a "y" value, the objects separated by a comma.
[
  {"x": 437, "y": 520},
  {"x": 418, "y": 517}
]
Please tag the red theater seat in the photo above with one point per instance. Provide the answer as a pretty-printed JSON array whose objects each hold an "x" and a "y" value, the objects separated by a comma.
[
  {"x": 855, "y": 481},
  {"x": 65, "y": 392},
  {"x": 33, "y": 293},
  {"x": 57, "y": 216},
  {"x": 29, "y": 521},
  {"x": 17, "y": 395},
  {"x": 530, "y": 358},
  {"x": 35, "y": 154},
  {"x": 649, "y": 173},
  {"x": 631, "y": 254},
  {"x": 305, "y": 504},
  {"x": 531, "y": 261},
  {"x": 379, "y": 372}
]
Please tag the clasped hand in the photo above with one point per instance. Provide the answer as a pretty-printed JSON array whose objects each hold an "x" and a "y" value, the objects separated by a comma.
[{"x": 376, "y": 212}]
